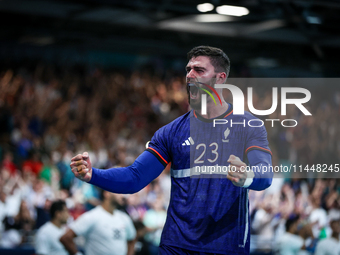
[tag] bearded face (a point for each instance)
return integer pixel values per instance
(196, 88)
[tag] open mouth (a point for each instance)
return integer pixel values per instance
(193, 90)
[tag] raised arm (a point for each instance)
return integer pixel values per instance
(124, 180)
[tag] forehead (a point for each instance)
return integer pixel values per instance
(203, 61)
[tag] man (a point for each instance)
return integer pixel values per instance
(107, 231)
(205, 215)
(331, 245)
(47, 238)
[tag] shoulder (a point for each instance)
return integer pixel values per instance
(171, 128)
(45, 231)
(45, 228)
(95, 211)
(181, 120)
(247, 116)
(91, 214)
(122, 215)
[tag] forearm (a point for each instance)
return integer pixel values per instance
(69, 244)
(261, 165)
(129, 179)
(131, 247)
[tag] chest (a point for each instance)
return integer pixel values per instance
(207, 145)
(54, 243)
(110, 228)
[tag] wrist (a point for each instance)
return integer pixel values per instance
(93, 176)
(249, 180)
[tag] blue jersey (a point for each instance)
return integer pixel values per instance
(207, 213)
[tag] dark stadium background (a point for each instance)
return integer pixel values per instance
(78, 49)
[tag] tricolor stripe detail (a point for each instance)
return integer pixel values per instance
(213, 90)
(191, 172)
(228, 114)
(158, 156)
(258, 148)
(206, 91)
(181, 173)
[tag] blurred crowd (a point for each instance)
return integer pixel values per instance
(49, 114)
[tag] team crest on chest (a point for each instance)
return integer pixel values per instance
(225, 136)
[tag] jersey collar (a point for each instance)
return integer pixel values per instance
(222, 116)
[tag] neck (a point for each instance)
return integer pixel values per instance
(57, 223)
(214, 111)
(108, 207)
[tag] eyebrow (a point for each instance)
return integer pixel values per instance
(195, 67)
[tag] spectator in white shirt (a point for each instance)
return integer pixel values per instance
(331, 245)
(47, 238)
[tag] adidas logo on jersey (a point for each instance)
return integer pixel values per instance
(188, 141)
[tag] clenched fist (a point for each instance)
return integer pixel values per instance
(81, 167)
(237, 173)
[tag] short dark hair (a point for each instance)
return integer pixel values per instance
(57, 206)
(218, 58)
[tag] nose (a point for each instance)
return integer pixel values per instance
(190, 74)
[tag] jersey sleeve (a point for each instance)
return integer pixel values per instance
(159, 145)
(41, 244)
(83, 225)
(257, 140)
(130, 228)
(259, 157)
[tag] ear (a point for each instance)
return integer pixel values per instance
(221, 78)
